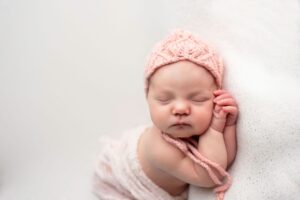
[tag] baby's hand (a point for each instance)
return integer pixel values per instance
(219, 119)
(226, 105)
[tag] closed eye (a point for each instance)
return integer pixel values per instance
(200, 99)
(163, 100)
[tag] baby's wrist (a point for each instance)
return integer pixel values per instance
(218, 124)
(214, 131)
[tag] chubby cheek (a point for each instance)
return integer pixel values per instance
(158, 116)
(203, 119)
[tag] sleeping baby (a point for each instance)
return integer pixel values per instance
(192, 138)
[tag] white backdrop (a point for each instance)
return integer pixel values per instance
(71, 71)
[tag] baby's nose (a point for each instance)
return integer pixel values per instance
(181, 108)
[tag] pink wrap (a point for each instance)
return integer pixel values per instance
(119, 175)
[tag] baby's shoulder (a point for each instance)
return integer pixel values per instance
(159, 151)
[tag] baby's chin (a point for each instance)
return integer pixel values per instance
(177, 133)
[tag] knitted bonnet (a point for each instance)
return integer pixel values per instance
(183, 45)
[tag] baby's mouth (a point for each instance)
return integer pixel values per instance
(181, 125)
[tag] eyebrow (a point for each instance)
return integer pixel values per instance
(165, 92)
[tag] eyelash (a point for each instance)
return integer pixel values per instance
(199, 100)
(193, 100)
(163, 100)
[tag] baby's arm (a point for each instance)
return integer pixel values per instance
(230, 142)
(212, 144)
(229, 105)
(172, 161)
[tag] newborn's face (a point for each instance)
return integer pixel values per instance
(180, 99)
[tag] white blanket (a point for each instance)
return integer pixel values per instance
(260, 43)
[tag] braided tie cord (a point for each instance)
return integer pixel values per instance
(188, 147)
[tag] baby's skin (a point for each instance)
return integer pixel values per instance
(184, 102)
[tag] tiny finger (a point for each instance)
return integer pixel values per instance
(230, 109)
(226, 102)
(222, 96)
(219, 92)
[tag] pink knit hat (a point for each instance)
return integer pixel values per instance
(183, 45)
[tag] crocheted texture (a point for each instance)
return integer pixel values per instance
(188, 147)
(183, 45)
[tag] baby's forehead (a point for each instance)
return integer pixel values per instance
(190, 89)
(180, 67)
(188, 92)
(181, 71)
